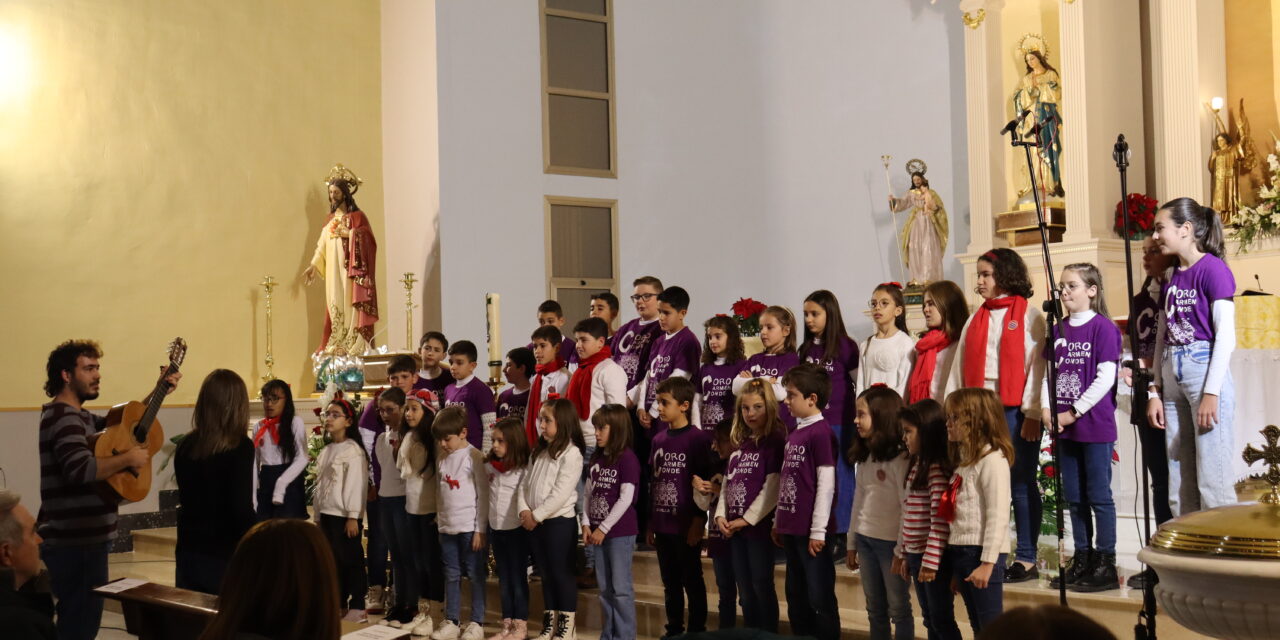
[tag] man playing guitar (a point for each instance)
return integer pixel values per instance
(76, 521)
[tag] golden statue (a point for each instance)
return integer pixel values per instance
(1039, 92)
(1231, 158)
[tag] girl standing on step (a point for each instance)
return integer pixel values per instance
(887, 354)
(417, 466)
(608, 518)
(342, 485)
(945, 313)
(778, 335)
(508, 460)
(1000, 349)
(280, 440)
(394, 518)
(745, 515)
(1087, 349)
(708, 493)
(977, 502)
(876, 523)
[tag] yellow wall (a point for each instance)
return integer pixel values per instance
(1253, 74)
(157, 159)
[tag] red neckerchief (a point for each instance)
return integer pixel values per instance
(535, 398)
(579, 392)
(920, 385)
(947, 503)
(499, 465)
(1012, 350)
(271, 425)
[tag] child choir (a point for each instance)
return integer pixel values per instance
(903, 456)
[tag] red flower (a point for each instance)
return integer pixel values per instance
(1115, 455)
(1049, 471)
(747, 307)
(316, 430)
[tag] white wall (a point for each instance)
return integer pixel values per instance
(749, 144)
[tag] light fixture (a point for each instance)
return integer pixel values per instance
(1216, 103)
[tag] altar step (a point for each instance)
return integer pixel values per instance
(152, 559)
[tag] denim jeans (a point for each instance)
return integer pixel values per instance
(727, 590)
(886, 592)
(617, 593)
(811, 589)
(456, 550)
(511, 555)
(753, 569)
(845, 483)
(937, 605)
(983, 605)
(376, 547)
(74, 572)
(588, 551)
(1086, 485)
(394, 522)
(1204, 457)
(680, 565)
(1025, 489)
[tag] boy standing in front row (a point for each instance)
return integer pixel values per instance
(463, 519)
(470, 393)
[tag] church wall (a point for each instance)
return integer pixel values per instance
(749, 143)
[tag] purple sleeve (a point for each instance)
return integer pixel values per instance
(484, 399)
(1109, 342)
(629, 469)
(690, 355)
(1221, 283)
(370, 422)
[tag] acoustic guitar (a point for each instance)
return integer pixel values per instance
(134, 424)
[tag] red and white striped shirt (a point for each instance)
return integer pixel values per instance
(923, 530)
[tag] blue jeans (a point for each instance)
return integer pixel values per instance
(845, 484)
(753, 569)
(937, 605)
(886, 592)
(456, 550)
(617, 594)
(74, 572)
(1086, 485)
(511, 555)
(983, 605)
(394, 522)
(588, 551)
(1203, 477)
(727, 590)
(811, 589)
(1028, 510)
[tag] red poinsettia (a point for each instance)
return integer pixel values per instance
(1049, 471)
(746, 312)
(1142, 215)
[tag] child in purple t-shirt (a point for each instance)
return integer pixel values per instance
(434, 375)
(676, 524)
(472, 394)
(674, 353)
(722, 360)
(518, 370)
(778, 335)
(805, 522)
(1086, 348)
(608, 517)
(1195, 337)
(707, 493)
(632, 341)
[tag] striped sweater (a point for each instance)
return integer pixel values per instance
(71, 510)
(922, 530)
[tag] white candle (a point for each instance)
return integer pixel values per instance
(491, 320)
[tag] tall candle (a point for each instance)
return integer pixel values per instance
(491, 322)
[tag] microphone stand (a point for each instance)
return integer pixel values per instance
(1145, 629)
(1053, 315)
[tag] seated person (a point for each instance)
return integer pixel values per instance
(26, 604)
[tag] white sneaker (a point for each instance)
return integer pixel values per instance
(448, 631)
(473, 631)
(356, 615)
(421, 626)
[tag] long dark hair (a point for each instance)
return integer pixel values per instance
(931, 433)
(895, 291)
(1009, 271)
(619, 421)
(1204, 221)
(352, 431)
(512, 430)
(885, 442)
(834, 333)
(1043, 62)
(949, 300)
(422, 431)
(924, 182)
(350, 202)
(568, 430)
(287, 446)
(733, 350)
(221, 415)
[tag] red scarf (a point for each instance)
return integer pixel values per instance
(535, 399)
(499, 465)
(947, 503)
(579, 392)
(920, 385)
(269, 425)
(1012, 350)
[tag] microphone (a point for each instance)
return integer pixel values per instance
(1121, 153)
(1259, 281)
(1015, 122)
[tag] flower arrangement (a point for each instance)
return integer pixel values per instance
(746, 312)
(1253, 223)
(1048, 492)
(317, 439)
(1142, 215)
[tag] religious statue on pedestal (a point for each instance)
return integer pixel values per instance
(1231, 158)
(924, 237)
(1039, 92)
(345, 256)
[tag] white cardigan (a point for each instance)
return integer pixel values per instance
(550, 487)
(504, 513)
(342, 480)
(982, 506)
(608, 386)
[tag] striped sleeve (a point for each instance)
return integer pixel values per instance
(939, 529)
(75, 460)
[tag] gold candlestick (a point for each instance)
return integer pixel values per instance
(268, 283)
(408, 281)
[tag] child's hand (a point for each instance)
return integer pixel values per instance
(738, 525)
(586, 536)
(899, 567)
(1126, 374)
(776, 537)
(527, 521)
(352, 528)
(645, 419)
(746, 374)
(981, 576)
(1031, 431)
(724, 527)
(815, 547)
(648, 537)
(1207, 414)
(851, 560)
(1045, 415)
(597, 538)
(1155, 413)
(926, 575)
(477, 541)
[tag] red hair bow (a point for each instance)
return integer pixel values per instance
(878, 384)
(891, 284)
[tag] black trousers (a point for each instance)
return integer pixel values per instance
(348, 554)
(1157, 456)
(680, 565)
(554, 542)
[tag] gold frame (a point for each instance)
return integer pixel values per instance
(548, 91)
(600, 284)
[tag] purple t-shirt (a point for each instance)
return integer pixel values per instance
(676, 456)
(806, 450)
(669, 353)
(1189, 296)
(767, 365)
(513, 403)
(1079, 351)
(1145, 310)
(745, 475)
(476, 397)
(606, 484)
(715, 384)
(631, 348)
(436, 385)
(839, 409)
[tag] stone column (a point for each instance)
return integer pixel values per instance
(983, 106)
(1188, 58)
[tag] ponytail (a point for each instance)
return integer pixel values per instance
(1204, 220)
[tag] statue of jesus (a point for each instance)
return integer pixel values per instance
(345, 257)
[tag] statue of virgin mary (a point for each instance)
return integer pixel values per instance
(345, 257)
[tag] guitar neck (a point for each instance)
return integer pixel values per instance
(153, 405)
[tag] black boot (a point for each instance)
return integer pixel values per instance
(1139, 580)
(1080, 564)
(1102, 577)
